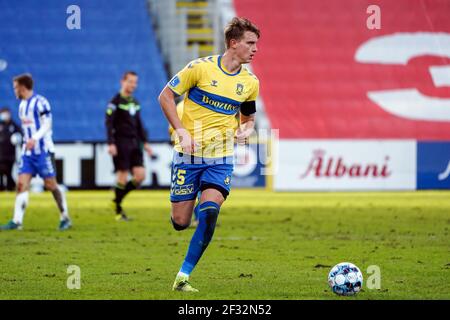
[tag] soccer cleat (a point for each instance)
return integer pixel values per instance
(11, 225)
(65, 224)
(120, 213)
(182, 284)
(122, 217)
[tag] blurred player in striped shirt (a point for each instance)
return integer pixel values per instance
(37, 152)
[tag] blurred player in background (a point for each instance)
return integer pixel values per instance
(37, 152)
(216, 88)
(10, 136)
(126, 139)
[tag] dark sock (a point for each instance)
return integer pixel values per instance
(208, 213)
(58, 198)
(121, 190)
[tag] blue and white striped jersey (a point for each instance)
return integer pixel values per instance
(33, 113)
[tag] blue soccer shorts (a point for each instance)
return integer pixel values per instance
(39, 164)
(193, 174)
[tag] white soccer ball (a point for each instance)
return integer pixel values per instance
(345, 279)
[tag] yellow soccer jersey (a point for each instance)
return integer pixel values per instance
(213, 97)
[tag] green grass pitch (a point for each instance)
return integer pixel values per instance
(267, 246)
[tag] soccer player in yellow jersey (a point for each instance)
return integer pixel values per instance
(216, 87)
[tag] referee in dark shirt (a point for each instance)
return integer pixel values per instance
(126, 140)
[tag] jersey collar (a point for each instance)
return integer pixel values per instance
(31, 97)
(219, 63)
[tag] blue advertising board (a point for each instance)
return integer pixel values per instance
(249, 164)
(433, 165)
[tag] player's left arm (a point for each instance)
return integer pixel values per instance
(45, 118)
(246, 127)
(247, 116)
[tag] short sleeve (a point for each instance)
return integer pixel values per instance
(255, 92)
(185, 79)
(43, 106)
(110, 108)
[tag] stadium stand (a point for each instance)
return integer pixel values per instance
(79, 70)
(315, 86)
(186, 30)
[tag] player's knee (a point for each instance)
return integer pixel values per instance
(179, 224)
(121, 177)
(20, 187)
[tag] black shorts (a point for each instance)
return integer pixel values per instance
(129, 155)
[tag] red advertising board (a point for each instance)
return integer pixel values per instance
(328, 70)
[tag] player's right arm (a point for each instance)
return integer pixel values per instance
(167, 102)
(179, 84)
(109, 123)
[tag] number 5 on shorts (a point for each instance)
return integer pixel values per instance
(180, 176)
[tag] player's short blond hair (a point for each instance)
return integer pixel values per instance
(236, 28)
